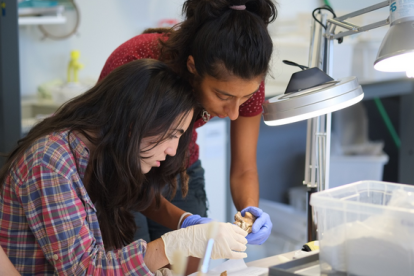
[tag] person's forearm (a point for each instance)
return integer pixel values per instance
(167, 215)
(245, 189)
(244, 180)
(155, 257)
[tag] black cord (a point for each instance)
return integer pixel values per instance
(327, 8)
(323, 8)
(288, 62)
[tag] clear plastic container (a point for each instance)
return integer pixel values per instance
(366, 229)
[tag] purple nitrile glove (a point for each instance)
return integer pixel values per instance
(261, 227)
(195, 219)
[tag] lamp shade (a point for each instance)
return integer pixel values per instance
(396, 53)
(312, 102)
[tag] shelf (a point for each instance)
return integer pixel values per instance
(42, 20)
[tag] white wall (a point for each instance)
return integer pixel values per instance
(213, 142)
(353, 4)
(104, 26)
(290, 8)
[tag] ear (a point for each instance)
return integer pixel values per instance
(191, 65)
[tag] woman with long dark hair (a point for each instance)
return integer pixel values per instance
(223, 48)
(68, 189)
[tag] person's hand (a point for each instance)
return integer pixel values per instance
(261, 227)
(195, 219)
(229, 243)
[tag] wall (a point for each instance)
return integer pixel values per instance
(213, 141)
(104, 26)
(281, 159)
(352, 5)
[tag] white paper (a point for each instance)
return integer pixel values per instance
(236, 268)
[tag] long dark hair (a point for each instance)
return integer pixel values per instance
(222, 41)
(143, 98)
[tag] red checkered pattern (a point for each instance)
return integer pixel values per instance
(48, 224)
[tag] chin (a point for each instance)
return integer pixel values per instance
(146, 170)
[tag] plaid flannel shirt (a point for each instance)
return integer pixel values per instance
(48, 224)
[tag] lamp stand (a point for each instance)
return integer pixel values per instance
(318, 139)
(318, 142)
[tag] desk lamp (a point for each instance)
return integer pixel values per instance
(312, 96)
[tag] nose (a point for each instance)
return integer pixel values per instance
(232, 110)
(172, 146)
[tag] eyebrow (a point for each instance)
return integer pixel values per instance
(230, 95)
(179, 130)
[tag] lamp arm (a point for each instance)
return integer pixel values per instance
(364, 10)
(354, 29)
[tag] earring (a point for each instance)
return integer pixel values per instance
(205, 116)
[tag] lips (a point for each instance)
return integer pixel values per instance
(218, 115)
(158, 162)
(221, 116)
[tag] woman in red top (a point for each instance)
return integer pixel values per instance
(223, 48)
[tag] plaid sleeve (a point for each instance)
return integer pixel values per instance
(66, 228)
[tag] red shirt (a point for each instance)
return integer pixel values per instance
(146, 46)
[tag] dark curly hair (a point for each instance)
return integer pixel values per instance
(222, 41)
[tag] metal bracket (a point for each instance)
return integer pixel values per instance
(353, 29)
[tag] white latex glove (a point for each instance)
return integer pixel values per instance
(229, 243)
(163, 272)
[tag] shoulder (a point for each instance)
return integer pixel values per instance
(147, 42)
(51, 152)
(253, 106)
(58, 155)
(138, 47)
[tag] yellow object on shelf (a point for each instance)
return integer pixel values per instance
(74, 66)
(311, 246)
